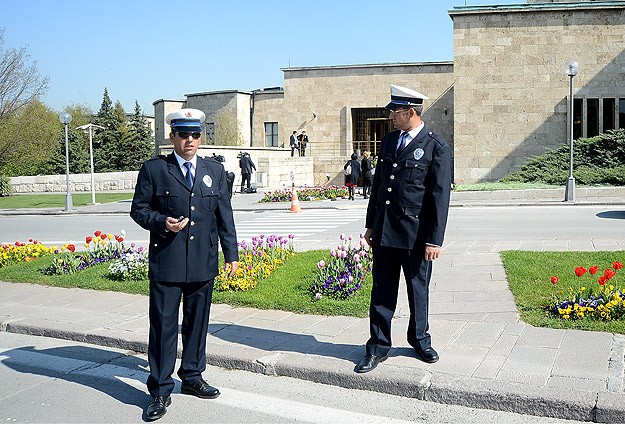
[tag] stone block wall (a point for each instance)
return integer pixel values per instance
(511, 89)
(106, 181)
(332, 92)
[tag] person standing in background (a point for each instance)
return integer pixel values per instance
(352, 177)
(367, 174)
(294, 144)
(303, 142)
(247, 167)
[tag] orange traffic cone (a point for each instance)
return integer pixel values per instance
(294, 201)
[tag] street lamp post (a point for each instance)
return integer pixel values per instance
(572, 68)
(90, 128)
(66, 118)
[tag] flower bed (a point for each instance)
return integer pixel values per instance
(101, 247)
(600, 300)
(306, 194)
(344, 273)
(256, 262)
(18, 252)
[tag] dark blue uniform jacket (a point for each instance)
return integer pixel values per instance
(410, 194)
(192, 254)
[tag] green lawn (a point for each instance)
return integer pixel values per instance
(57, 200)
(529, 275)
(285, 289)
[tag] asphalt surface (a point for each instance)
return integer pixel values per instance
(489, 357)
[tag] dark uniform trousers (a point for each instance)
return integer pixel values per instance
(164, 306)
(408, 209)
(387, 265)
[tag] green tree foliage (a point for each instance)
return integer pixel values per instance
(227, 131)
(104, 141)
(140, 139)
(27, 139)
(597, 160)
(78, 145)
(121, 146)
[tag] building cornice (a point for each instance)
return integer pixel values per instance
(365, 66)
(533, 7)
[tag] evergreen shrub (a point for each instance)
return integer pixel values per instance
(598, 160)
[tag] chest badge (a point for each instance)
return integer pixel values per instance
(207, 180)
(418, 153)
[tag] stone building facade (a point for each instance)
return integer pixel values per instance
(503, 98)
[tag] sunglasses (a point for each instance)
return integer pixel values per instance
(186, 134)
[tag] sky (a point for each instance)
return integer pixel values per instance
(143, 50)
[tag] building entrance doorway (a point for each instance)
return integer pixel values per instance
(370, 125)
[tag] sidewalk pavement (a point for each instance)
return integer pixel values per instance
(489, 358)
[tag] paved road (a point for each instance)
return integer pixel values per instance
(469, 229)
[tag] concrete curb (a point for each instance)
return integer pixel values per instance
(519, 398)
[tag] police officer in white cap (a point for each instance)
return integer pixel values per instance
(405, 224)
(183, 201)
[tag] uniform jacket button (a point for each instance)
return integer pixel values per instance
(192, 238)
(390, 189)
(192, 223)
(192, 208)
(388, 202)
(392, 177)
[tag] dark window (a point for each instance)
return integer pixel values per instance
(621, 113)
(578, 123)
(271, 134)
(210, 132)
(592, 117)
(609, 111)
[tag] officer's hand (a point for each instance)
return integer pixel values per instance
(176, 224)
(432, 252)
(234, 265)
(368, 235)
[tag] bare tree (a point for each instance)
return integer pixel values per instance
(20, 82)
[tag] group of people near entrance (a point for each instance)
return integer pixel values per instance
(359, 174)
(298, 143)
(182, 199)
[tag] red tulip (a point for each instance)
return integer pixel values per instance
(593, 269)
(102, 236)
(617, 265)
(88, 239)
(71, 248)
(580, 270)
(554, 280)
(602, 280)
(97, 233)
(609, 273)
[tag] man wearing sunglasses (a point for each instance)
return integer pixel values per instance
(183, 201)
(405, 225)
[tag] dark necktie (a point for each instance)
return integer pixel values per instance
(189, 175)
(401, 143)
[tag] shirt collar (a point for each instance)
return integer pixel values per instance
(413, 132)
(181, 161)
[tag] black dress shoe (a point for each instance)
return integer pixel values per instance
(199, 388)
(157, 408)
(369, 362)
(428, 355)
